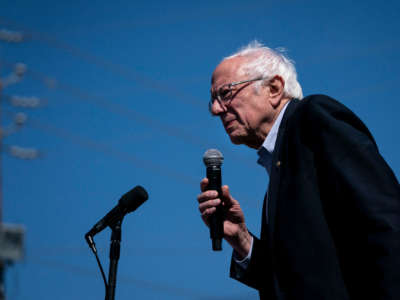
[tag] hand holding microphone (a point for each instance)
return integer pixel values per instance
(211, 200)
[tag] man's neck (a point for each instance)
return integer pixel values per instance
(260, 138)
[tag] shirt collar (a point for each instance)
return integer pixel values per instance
(267, 148)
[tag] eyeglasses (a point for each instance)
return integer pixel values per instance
(225, 93)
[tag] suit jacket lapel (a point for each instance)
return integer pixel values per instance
(277, 163)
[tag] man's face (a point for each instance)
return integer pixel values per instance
(245, 116)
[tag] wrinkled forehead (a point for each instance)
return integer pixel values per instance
(228, 71)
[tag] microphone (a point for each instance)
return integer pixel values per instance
(213, 160)
(128, 203)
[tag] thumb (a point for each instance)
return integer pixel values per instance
(227, 197)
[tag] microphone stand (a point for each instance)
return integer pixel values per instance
(114, 257)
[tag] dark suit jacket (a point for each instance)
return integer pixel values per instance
(333, 210)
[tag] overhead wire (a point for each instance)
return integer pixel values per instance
(113, 107)
(123, 111)
(187, 250)
(192, 16)
(124, 279)
(148, 165)
(129, 113)
(100, 147)
(177, 291)
(123, 71)
(114, 68)
(126, 73)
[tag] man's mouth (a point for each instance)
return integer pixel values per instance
(229, 123)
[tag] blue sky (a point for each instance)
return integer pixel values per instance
(129, 107)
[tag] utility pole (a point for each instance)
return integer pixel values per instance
(2, 288)
(11, 236)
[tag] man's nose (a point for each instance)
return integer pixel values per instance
(217, 108)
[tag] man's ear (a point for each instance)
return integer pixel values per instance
(276, 86)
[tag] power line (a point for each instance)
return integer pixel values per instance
(114, 68)
(124, 279)
(130, 114)
(124, 156)
(123, 111)
(187, 250)
(146, 284)
(113, 107)
(124, 72)
(126, 112)
(198, 15)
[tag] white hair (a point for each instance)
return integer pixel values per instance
(268, 63)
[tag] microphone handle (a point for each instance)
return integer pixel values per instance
(217, 219)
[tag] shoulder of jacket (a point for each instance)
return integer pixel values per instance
(316, 110)
(319, 104)
(320, 101)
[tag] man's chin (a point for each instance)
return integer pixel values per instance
(244, 140)
(237, 140)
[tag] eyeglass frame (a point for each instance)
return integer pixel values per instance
(230, 85)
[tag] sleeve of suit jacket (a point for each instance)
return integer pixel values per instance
(254, 274)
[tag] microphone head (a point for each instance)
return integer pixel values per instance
(133, 199)
(212, 157)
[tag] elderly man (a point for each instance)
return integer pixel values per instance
(331, 215)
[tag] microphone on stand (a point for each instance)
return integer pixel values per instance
(113, 219)
(213, 160)
(128, 203)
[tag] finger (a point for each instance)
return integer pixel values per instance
(207, 195)
(203, 184)
(206, 219)
(209, 204)
(207, 213)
